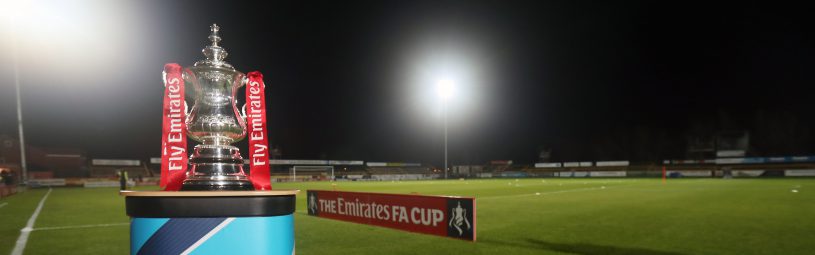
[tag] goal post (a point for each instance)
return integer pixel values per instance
(310, 170)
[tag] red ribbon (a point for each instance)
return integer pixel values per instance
(258, 140)
(174, 131)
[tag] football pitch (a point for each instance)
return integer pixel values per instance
(514, 216)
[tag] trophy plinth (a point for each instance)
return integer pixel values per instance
(245, 222)
(214, 122)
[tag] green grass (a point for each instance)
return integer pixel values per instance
(570, 216)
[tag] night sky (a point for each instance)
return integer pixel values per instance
(592, 80)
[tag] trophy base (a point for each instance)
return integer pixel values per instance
(216, 185)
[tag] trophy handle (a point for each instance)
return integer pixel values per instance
(244, 81)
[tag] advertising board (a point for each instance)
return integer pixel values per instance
(612, 163)
(690, 173)
(574, 174)
(748, 173)
(453, 217)
(799, 172)
(115, 162)
(35, 183)
(547, 165)
(571, 164)
(607, 174)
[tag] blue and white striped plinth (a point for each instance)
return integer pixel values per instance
(211, 222)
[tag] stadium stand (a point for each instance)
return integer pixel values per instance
(399, 170)
(112, 172)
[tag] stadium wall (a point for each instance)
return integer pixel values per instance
(7, 190)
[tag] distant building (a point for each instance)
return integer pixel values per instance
(55, 162)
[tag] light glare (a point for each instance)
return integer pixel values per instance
(445, 88)
(73, 39)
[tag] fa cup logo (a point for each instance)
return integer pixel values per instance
(458, 219)
(312, 203)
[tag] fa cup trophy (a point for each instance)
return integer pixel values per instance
(215, 122)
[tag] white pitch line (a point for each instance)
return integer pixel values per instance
(207, 236)
(82, 226)
(23, 239)
(3, 204)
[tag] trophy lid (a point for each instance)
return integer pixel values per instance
(215, 53)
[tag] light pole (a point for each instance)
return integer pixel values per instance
(445, 138)
(445, 88)
(16, 71)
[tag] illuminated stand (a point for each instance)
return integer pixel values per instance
(209, 205)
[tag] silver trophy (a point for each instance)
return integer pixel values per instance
(214, 122)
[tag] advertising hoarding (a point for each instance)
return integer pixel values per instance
(453, 217)
(547, 165)
(612, 163)
(115, 162)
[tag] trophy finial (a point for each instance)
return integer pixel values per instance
(213, 37)
(214, 52)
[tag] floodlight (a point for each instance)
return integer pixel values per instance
(445, 88)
